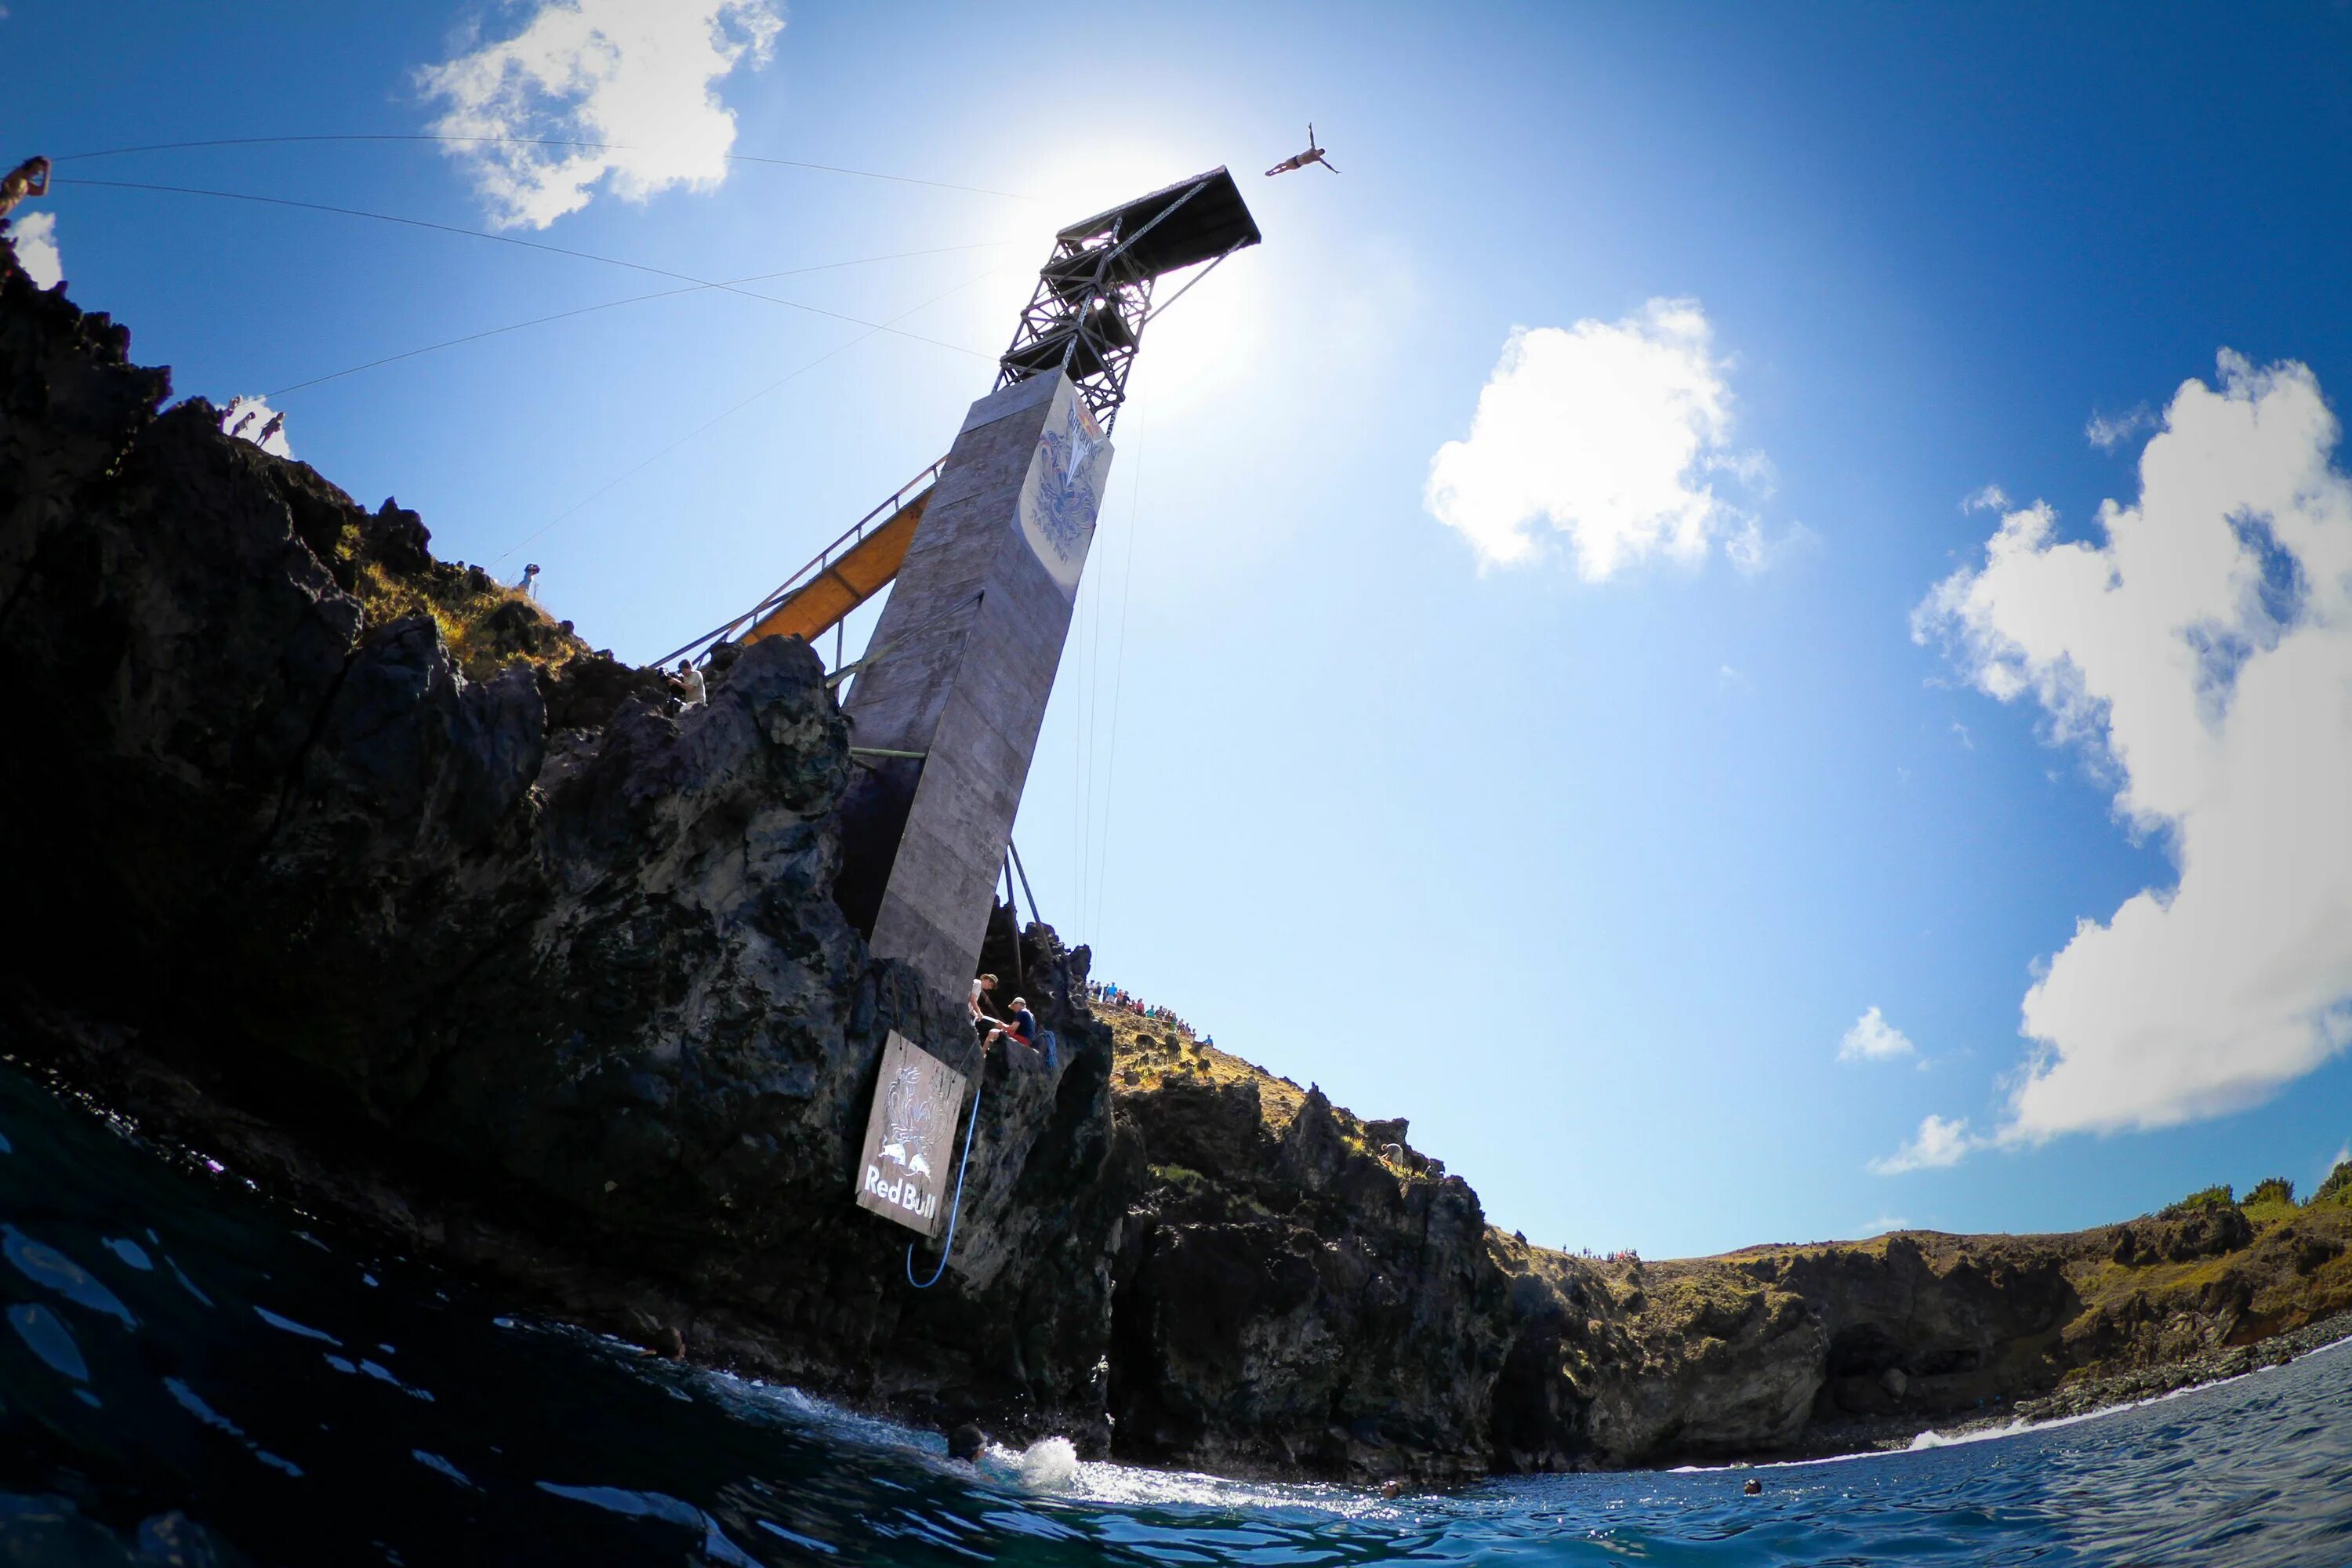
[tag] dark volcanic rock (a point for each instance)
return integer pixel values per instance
(1293, 1303)
(561, 959)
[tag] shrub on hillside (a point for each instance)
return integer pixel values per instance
(2271, 1190)
(2205, 1202)
(2337, 1187)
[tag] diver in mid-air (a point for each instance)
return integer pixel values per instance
(1313, 154)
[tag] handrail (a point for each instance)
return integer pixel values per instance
(816, 565)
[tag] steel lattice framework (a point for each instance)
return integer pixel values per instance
(1094, 293)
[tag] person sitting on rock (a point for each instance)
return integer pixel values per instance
(1020, 1028)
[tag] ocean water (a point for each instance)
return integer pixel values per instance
(191, 1375)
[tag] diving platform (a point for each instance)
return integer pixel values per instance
(986, 548)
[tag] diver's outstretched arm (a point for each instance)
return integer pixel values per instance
(1327, 163)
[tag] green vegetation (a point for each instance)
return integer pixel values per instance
(2271, 1200)
(2271, 1190)
(487, 625)
(2336, 1189)
(2207, 1201)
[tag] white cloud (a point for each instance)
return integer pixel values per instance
(2107, 433)
(2202, 653)
(637, 75)
(35, 236)
(1873, 1039)
(1606, 432)
(252, 419)
(1992, 497)
(1885, 1224)
(1938, 1144)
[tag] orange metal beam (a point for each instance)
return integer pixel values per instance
(859, 572)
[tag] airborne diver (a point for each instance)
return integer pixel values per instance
(1313, 154)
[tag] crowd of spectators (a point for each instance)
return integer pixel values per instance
(1103, 993)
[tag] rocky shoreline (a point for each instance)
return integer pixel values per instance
(344, 866)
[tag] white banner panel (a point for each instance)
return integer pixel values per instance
(910, 1137)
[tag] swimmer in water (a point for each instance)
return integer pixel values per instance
(1753, 1488)
(964, 1444)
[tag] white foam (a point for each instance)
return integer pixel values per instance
(1049, 1465)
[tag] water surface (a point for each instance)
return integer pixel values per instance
(191, 1375)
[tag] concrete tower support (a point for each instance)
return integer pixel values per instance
(960, 670)
(947, 704)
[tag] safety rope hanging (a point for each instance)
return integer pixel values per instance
(955, 1208)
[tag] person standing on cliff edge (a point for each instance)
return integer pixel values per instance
(981, 1022)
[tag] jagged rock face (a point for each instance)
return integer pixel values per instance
(2207, 1233)
(1292, 1304)
(1909, 1332)
(536, 932)
(1665, 1362)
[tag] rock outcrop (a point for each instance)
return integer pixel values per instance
(1290, 1300)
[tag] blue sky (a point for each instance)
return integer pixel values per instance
(1588, 873)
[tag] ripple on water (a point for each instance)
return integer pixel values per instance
(48, 1268)
(48, 1338)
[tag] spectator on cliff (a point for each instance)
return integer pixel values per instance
(529, 586)
(982, 1021)
(693, 692)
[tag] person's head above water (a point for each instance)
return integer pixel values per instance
(1753, 1488)
(964, 1443)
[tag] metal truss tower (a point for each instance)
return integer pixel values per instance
(1093, 298)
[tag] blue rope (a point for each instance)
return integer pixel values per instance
(955, 1209)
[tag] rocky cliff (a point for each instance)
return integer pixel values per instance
(362, 848)
(354, 869)
(1301, 1289)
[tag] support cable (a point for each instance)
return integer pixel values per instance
(1017, 865)
(611, 304)
(529, 141)
(801, 370)
(1196, 276)
(1013, 913)
(1118, 680)
(525, 244)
